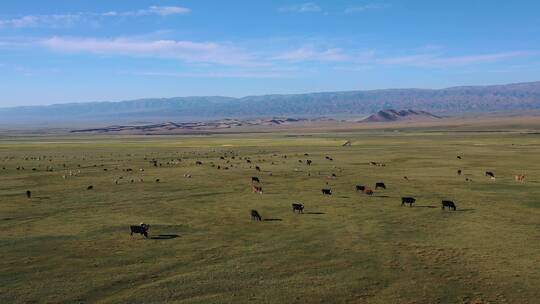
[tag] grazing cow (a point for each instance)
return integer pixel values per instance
(308, 162)
(255, 179)
(326, 191)
(28, 194)
(157, 180)
(248, 161)
(198, 163)
(458, 157)
(141, 229)
(520, 178)
(408, 200)
(405, 178)
(257, 168)
(458, 172)
(255, 215)
(360, 188)
(90, 187)
(380, 185)
(257, 189)
(490, 174)
(298, 207)
(368, 191)
(448, 204)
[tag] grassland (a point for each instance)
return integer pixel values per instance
(68, 244)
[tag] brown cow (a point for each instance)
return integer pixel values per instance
(520, 178)
(257, 189)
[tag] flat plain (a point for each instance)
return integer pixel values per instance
(67, 244)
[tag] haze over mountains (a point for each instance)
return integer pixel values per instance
(455, 100)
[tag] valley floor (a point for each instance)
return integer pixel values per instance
(67, 244)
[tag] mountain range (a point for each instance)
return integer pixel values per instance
(454, 100)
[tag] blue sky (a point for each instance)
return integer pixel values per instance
(75, 51)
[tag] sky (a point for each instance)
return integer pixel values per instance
(60, 51)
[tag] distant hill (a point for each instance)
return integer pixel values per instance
(477, 99)
(214, 125)
(393, 115)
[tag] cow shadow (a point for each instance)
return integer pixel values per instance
(272, 220)
(465, 210)
(314, 213)
(164, 236)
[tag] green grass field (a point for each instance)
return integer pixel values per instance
(68, 244)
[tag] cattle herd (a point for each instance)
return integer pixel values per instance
(256, 184)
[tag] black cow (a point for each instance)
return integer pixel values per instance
(141, 229)
(360, 188)
(28, 194)
(255, 215)
(458, 172)
(490, 174)
(408, 200)
(255, 179)
(380, 185)
(90, 187)
(257, 168)
(298, 207)
(448, 204)
(458, 157)
(326, 191)
(198, 163)
(308, 162)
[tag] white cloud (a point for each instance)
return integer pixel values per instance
(365, 7)
(234, 74)
(168, 10)
(152, 10)
(307, 54)
(41, 21)
(189, 51)
(438, 60)
(63, 20)
(308, 7)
